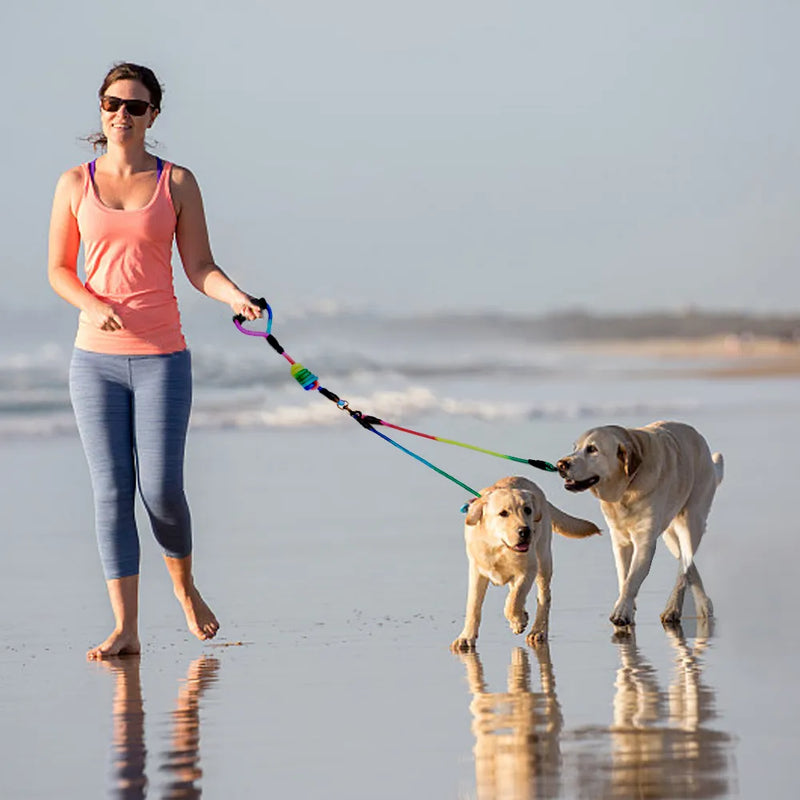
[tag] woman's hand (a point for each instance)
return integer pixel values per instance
(246, 306)
(102, 316)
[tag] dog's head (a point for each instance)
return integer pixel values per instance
(508, 515)
(605, 460)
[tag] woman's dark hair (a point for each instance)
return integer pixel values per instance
(126, 71)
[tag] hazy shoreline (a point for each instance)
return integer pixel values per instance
(732, 355)
(578, 324)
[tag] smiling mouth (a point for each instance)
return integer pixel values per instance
(581, 486)
(518, 548)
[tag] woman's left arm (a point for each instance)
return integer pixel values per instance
(191, 235)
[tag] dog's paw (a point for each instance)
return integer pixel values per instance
(671, 616)
(536, 637)
(518, 624)
(621, 622)
(622, 616)
(464, 644)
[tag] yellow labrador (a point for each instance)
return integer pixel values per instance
(651, 481)
(508, 533)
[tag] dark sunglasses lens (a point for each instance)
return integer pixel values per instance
(136, 108)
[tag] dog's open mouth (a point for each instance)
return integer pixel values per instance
(518, 548)
(581, 486)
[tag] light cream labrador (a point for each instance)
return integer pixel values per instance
(651, 481)
(508, 533)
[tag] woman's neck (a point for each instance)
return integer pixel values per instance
(127, 161)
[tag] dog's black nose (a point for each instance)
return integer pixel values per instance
(562, 465)
(524, 533)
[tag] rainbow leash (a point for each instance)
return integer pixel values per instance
(309, 381)
(533, 462)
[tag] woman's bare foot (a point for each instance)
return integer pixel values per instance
(124, 640)
(120, 643)
(199, 617)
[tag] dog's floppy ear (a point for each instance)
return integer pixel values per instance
(475, 511)
(630, 457)
(537, 500)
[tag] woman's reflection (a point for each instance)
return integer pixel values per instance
(517, 752)
(181, 760)
(128, 779)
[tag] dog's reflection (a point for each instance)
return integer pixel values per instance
(180, 762)
(661, 742)
(517, 751)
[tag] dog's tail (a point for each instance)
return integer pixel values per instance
(569, 526)
(719, 466)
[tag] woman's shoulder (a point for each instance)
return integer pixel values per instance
(73, 176)
(70, 183)
(182, 176)
(183, 187)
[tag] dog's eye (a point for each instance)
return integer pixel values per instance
(527, 511)
(591, 448)
(503, 513)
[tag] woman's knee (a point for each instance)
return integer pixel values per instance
(165, 501)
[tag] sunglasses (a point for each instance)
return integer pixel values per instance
(136, 108)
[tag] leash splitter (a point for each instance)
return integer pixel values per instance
(309, 381)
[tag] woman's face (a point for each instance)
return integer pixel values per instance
(120, 126)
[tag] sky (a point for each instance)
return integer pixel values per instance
(438, 155)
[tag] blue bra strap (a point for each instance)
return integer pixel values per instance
(91, 169)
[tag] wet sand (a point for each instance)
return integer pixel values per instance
(337, 569)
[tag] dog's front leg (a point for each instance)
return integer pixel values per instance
(544, 574)
(515, 611)
(622, 547)
(475, 595)
(541, 623)
(644, 546)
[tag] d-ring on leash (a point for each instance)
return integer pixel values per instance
(309, 381)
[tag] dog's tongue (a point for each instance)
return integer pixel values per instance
(521, 548)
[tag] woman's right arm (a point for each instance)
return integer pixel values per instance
(62, 261)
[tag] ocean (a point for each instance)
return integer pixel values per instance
(395, 368)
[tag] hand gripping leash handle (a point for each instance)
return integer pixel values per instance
(239, 319)
(307, 379)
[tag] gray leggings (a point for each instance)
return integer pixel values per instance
(133, 414)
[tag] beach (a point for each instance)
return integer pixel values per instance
(336, 565)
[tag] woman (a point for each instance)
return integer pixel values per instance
(130, 374)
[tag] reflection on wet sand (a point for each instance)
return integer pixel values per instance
(661, 744)
(128, 752)
(181, 761)
(516, 732)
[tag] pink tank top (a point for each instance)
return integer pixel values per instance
(128, 258)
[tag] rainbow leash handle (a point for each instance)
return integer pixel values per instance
(309, 381)
(303, 376)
